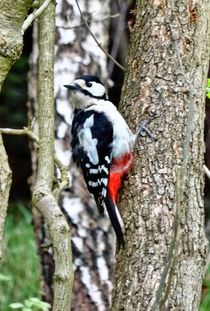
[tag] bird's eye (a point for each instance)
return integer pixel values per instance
(89, 84)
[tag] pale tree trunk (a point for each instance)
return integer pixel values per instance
(162, 206)
(11, 42)
(93, 241)
(77, 53)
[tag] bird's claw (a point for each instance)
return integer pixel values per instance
(143, 129)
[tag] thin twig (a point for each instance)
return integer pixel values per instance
(99, 44)
(118, 36)
(28, 21)
(24, 131)
(63, 168)
(95, 20)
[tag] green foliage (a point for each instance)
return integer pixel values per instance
(19, 278)
(208, 88)
(205, 306)
(31, 304)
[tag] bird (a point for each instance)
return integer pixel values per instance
(102, 145)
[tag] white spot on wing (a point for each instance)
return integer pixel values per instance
(108, 160)
(89, 144)
(104, 192)
(89, 122)
(93, 171)
(103, 168)
(92, 183)
(103, 180)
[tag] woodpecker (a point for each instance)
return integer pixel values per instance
(102, 145)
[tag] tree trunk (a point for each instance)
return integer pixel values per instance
(92, 237)
(11, 43)
(162, 265)
(5, 183)
(11, 37)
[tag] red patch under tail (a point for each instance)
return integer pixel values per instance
(119, 168)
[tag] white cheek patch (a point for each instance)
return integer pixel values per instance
(96, 89)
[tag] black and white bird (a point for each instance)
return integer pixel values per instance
(102, 145)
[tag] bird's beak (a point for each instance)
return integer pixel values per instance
(73, 87)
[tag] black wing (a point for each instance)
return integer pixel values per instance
(92, 136)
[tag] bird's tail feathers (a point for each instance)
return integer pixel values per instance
(116, 220)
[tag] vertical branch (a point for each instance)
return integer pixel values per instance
(43, 198)
(45, 172)
(5, 183)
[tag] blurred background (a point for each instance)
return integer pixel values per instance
(19, 242)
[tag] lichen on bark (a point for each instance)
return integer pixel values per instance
(12, 16)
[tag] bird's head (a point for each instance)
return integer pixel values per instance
(86, 90)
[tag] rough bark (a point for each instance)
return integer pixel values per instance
(162, 205)
(43, 197)
(11, 41)
(5, 183)
(12, 16)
